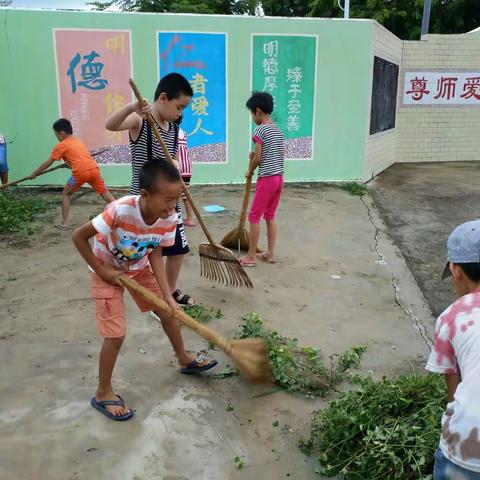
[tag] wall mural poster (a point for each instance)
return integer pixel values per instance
(284, 66)
(442, 88)
(93, 68)
(201, 58)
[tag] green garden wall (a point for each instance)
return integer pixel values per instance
(29, 101)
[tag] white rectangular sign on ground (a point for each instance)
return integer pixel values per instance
(441, 88)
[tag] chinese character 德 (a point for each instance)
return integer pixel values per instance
(294, 90)
(446, 87)
(90, 71)
(114, 102)
(294, 74)
(199, 105)
(198, 82)
(418, 88)
(270, 66)
(471, 88)
(116, 44)
(293, 123)
(271, 48)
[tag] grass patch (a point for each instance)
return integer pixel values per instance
(204, 314)
(300, 369)
(386, 429)
(20, 211)
(354, 188)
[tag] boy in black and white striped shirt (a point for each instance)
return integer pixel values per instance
(172, 96)
(269, 157)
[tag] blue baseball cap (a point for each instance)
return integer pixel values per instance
(463, 245)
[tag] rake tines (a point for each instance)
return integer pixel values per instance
(218, 264)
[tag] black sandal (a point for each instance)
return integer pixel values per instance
(183, 299)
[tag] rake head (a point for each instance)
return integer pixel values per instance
(220, 265)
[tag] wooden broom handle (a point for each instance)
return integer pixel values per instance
(246, 197)
(63, 165)
(164, 308)
(185, 190)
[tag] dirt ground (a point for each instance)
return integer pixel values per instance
(182, 429)
(421, 205)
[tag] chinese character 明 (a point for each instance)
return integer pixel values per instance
(90, 71)
(198, 82)
(446, 87)
(114, 102)
(116, 44)
(294, 74)
(293, 123)
(270, 84)
(199, 105)
(198, 127)
(471, 88)
(270, 66)
(271, 48)
(418, 88)
(294, 90)
(294, 106)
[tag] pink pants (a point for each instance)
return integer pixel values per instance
(267, 197)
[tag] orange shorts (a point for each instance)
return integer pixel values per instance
(109, 306)
(92, 177)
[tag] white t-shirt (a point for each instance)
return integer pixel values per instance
(457, 350)
(124, 239)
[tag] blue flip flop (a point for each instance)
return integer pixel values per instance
(102, 407)
(193, 367)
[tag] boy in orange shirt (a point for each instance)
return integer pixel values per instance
(84, 167)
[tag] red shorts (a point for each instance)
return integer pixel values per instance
(267, 197)
(92, 177)
(109, 306)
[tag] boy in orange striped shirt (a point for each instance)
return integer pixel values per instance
(128, 238)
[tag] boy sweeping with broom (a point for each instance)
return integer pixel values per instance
(129, 237)
(172, 96)
(84, 167)
(269, 157)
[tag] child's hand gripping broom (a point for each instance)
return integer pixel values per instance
(48, 170)
(250, 354)
(217, 263)
(239, 237)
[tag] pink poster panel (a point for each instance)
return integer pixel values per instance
(93, 68)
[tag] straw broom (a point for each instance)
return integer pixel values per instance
(217, 263)
(250, 354)
(48, 170)
(239, 237)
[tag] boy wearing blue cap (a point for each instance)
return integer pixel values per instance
(456, 354)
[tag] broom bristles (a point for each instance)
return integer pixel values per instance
(251, 357)
(218, 264)
(237, 239)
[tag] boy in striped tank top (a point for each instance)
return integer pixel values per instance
(186, 171)
(172, 96)
(269, 157)
(129, 238)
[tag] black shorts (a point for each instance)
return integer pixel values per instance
(180, 247)
(186, 180)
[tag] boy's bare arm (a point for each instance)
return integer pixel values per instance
(42, 167)
(127, 118)
(255, 159)
(81, 238)
(158, 267)
(453, 380)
